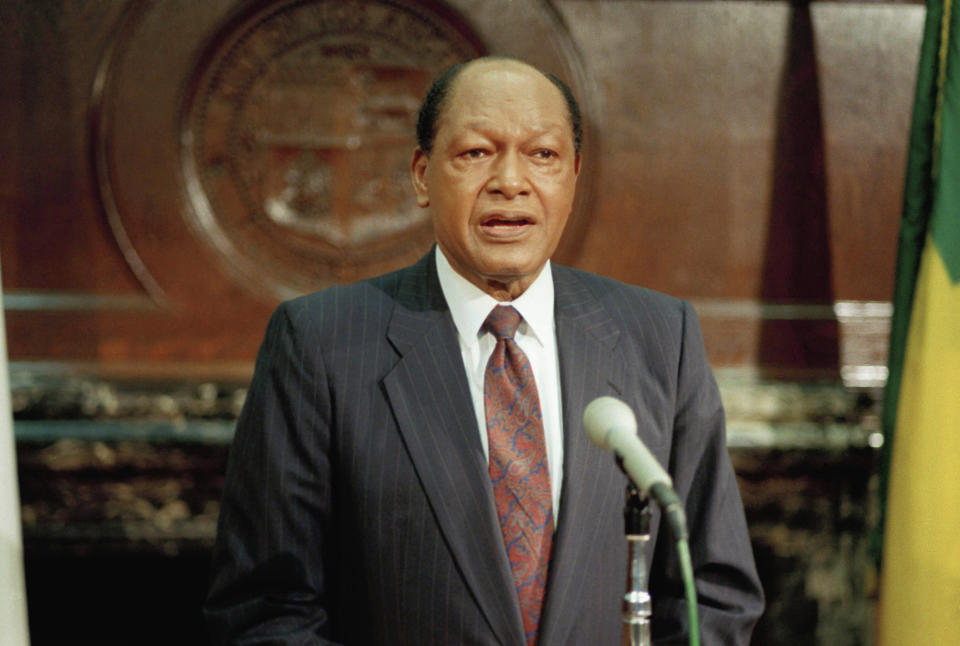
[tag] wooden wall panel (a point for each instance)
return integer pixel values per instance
(868, 55)
(752, 160)
(692, 94)
(53, 236)
(748, 156)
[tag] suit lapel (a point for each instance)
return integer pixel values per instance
(430, 397)
(589, 367)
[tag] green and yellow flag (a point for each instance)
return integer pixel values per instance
(920, 571)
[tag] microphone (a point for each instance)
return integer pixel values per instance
(611, 425)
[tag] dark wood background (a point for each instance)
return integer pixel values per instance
(744, 154)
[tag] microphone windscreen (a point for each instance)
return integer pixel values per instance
(604, 415)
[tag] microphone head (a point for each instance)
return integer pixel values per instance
(603, 416)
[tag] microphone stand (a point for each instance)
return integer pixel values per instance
(636, 602)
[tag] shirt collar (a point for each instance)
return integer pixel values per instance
(469, 305)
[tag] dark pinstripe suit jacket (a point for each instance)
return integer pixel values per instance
(358, 510)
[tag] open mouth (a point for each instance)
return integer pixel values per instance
(504, 225)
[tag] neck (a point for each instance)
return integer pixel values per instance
(501, 288)
(505, 291)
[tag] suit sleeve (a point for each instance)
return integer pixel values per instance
(269, 584)
(730, 598)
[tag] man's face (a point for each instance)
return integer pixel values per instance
(501, 176)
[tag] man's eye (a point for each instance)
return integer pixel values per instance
(474, 153)
(545, 153)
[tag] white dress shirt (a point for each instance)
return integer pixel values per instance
(536, 336)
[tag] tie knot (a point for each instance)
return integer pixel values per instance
(502, 322)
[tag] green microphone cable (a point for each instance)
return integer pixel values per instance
(677, 520)
(690, 590)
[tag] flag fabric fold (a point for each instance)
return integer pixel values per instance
(920, 479)
(13, 603)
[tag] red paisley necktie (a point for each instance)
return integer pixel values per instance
(518, 465)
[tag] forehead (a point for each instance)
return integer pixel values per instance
(507, 96)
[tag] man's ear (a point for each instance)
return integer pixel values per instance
(418, 175)
(576, 165)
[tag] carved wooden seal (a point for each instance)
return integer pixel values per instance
(260, 150)
(298, 133)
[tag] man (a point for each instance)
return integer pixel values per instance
(407, 472)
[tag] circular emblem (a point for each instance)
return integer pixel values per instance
(249, 151)
(297, 132)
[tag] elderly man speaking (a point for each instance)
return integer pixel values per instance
(410, 465)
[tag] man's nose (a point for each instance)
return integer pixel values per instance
(509, 176)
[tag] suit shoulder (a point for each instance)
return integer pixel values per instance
(614, 294)
(339, 309)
